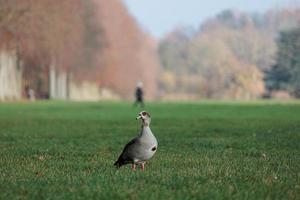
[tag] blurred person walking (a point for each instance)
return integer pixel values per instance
(139, 94)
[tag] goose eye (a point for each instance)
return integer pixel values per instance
(144, 113)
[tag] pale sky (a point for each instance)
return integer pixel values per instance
(161, 16)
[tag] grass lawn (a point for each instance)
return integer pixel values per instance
(60, 150)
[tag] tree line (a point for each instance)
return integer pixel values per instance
(233, 55)
(46, 34)
(78, 40)
(48, 46)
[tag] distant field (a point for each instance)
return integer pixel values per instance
(60, 150)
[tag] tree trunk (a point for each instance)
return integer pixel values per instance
(52, 84)
(58, 84)
(10, 76)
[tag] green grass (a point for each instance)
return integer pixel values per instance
(60, 150)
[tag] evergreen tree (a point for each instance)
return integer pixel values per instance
(285, 74)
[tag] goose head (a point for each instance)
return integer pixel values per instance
(144, 116)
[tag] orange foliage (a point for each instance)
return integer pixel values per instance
(94, 40)
(129, 55)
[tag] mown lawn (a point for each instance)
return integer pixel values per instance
(61, 150)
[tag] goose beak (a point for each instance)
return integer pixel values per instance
(138, 117)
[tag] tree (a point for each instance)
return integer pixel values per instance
(129, 54)
(51, 36)
(285, 74)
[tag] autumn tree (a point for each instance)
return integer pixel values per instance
(129, 54)
(51, 35)
(226, 57)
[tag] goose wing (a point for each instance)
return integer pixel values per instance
(127, 155)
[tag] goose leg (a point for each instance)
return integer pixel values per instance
(143, 166)
(133, 167)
